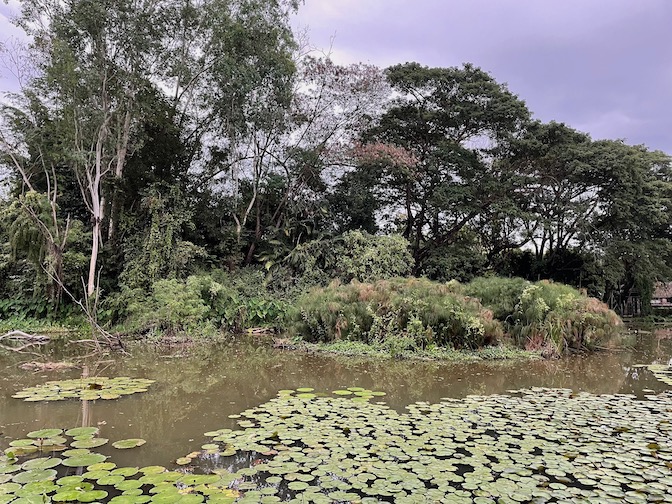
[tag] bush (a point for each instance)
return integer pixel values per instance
(201, 301)
(552, 317)
(354, 255)
(406, 312)
(172, 305)
(241, 300)
(499, 294)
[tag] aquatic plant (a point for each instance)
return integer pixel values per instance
(531, 446)
(424, 312)
(304, 446)
(91, 389)
(547, 316)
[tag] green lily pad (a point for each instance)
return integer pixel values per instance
(84, 460)
(34, 475)
(45, 433)
(89, 443)
(126, 444)
(82, 431)
(87, 389)
(41, 463)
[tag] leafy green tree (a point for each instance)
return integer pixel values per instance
(560, 186)
(452, 123)
(114, 74)
(633, 230)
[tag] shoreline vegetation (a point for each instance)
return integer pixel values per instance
(187, 171)
(489, 318)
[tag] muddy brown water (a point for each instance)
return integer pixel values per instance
(196, 391)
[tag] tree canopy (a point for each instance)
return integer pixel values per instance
(153, 139)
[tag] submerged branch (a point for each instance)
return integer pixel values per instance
(30, 340)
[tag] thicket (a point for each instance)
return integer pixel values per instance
(199, 305)
(411, 314)
(547, 316)
(401, 313)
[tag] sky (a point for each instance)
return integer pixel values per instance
(601, 66)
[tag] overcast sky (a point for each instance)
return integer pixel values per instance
(600, 66)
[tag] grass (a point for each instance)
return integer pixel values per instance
(360, 349)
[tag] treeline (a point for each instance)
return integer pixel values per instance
(154, 140)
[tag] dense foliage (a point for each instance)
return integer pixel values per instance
(551, 317)
(407, 314)
(157, 152)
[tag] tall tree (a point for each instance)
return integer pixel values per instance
(559, 186)
(633, 227)
(105, 65)
(454, 122)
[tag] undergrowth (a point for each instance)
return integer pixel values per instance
(403, 314)
(550, 317)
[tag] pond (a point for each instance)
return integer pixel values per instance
(201, 390)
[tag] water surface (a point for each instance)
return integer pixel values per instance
(197, 389)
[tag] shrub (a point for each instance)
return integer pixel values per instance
(241, 300)
(172, 305)
(399, 310)
(223, 300)
(499, 294)
(551, 317)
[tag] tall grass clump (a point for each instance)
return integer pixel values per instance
(551, 317)
(403, 313)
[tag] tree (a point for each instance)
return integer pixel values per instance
(559, 186)
(633, 229)
(105, 67)
(282, 170)
(453, 123)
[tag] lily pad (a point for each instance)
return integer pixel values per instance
(45, 433)
(126, 444)
(89, 443)
(82, 431)
(84, 460)
(87, 389)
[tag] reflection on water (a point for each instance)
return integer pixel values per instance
(195, 393)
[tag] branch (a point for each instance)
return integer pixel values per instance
(32, 340)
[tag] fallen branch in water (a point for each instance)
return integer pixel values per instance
(31, 339)
(46, 366)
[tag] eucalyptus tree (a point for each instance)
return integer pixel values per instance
(104, 67)
(94, 59)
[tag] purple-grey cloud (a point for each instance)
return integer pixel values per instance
(601, 66)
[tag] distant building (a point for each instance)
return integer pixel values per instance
(662, 296)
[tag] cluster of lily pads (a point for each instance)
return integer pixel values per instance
(51, 465)
(91, 389)
(662, 372)
(537, 445)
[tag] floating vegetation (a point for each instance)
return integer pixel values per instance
(662, 372)
(125, 444)
(531, 446)
(81, 475)
(91, 389)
